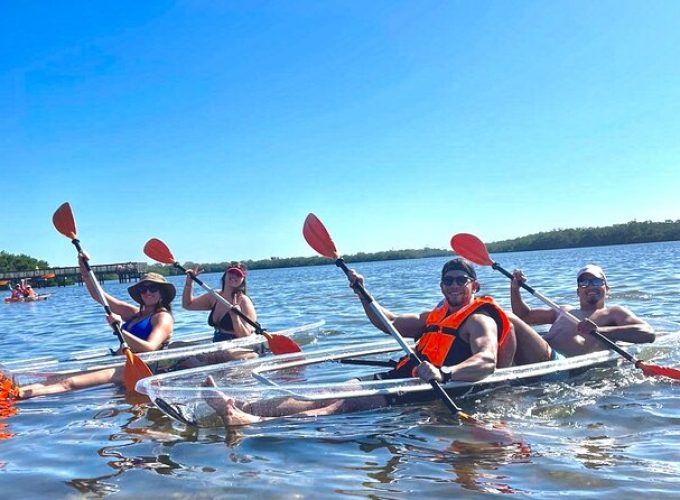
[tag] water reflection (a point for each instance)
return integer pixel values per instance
(155, 427)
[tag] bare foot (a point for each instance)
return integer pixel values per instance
(226, 408)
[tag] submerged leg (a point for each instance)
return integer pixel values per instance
(531, 347)
(227, 410)
(72, 383)
(231, 414)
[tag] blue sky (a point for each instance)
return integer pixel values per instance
(217, 126)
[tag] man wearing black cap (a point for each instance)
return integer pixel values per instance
(568, 339)
(463, 338)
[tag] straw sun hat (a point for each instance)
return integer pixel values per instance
(167, 289)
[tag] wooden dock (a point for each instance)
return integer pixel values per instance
(125, 272)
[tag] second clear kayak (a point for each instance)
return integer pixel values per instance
(197, 347)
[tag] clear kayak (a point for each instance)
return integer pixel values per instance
(198, 348)
(21, 300)
(319, 377)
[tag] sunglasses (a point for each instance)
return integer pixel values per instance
(234, 274)
(584, 282)
(458, 280)
(149, 288)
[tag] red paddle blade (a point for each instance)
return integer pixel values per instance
(64, 221)
(134, 370)
(159, 251)
(280, 344)
(472, 248)
(318, 238)
(655, 370)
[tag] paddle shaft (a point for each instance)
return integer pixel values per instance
(397, 336)
(611, 345)
(215, 293)
(100, 295)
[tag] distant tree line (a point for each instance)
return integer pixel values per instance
(630, 232)
(22, 262)
(277, 262)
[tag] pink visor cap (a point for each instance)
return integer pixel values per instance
(237, 270)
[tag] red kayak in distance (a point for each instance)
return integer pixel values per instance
(35, 298)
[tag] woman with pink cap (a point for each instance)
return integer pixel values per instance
(227, 323)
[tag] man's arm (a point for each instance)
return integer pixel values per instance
(482, 334)
(628, 327)
(522, 310)
(408, 325)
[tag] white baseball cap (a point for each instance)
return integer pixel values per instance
(592, 269)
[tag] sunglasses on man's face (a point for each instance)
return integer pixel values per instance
(585, 282)
(149, 288)
(458, 280)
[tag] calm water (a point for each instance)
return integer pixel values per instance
(613, 433)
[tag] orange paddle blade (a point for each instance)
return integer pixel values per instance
(655, 370)
(134, 370)
(318, 238)
(472, 248)
(280, 344)
(159, 251)
(64, 221)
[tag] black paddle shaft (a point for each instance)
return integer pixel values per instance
(254, 324)
(116, 326)
(453, 408)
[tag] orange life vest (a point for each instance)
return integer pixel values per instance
(440, 343)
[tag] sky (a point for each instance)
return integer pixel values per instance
(217, 126)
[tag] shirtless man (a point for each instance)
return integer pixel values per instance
(566, 338)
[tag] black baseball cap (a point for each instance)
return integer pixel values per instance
(459, 264)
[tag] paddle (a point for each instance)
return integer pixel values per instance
(135, 369)
(473, 249)
(318, 238)
(278, 344)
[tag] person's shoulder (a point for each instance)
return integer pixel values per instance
(480, 319)
(162, 315)
(618, 311)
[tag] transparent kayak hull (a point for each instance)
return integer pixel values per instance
(319, 376)
(49, 369)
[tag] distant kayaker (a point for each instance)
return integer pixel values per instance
(225, 320)
(29, 292)
(568, 339)
(146, 326)
(463, 338)
(17, 293)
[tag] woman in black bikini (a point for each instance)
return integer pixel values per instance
(227, 323)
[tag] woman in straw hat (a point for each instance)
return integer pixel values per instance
(146, 326)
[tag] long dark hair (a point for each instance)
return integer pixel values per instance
(242, 286)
